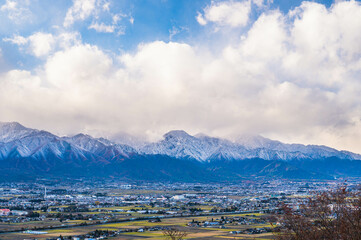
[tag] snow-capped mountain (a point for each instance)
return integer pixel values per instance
(100, 146)
(17, 141)
(180, 144)
(13, 130)
(25, 150)
(25, 142)
(127, 139)
(252, 142)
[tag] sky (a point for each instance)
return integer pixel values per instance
(287, 70)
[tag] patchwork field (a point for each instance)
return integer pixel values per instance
(178, 223)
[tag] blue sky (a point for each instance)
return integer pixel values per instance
(288, 70)
(153, 20)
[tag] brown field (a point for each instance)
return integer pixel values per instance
(180, 223)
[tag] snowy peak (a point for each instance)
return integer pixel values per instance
(177, 144)
(99, 146)
(105, 141)
(17, 140)
(292, 151)
(84, 141)
(25, 150)
(11, 126)
(176, 134)
(180, 144)
(256, 141)
(12, 131)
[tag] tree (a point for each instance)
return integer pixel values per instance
(328, 215)
(174, 234)
(32, 214)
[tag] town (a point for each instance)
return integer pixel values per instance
(84, 209)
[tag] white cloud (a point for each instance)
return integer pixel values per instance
(80, 10)
(101, 27)
(294, 77)
(9, 6)
(116, 18)
(266, 39)
(262, 3)
(259, 3)
(79, 65)
(200, 19)
(17, 10)
(18, 40)
(227, 13)
(113, 27)
(176, 30)
(68, 39)
(103, 20)
(106, 6)
(42, 44)
(38, 44)
(104, 28)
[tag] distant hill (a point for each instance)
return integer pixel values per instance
(29, 153)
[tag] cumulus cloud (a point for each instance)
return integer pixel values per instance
(41, 44)
(227, 13)
(77, 66)
(294, 77)
(38, 44)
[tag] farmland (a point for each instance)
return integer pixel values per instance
(115, 210)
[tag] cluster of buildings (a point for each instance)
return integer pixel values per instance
(249, 219)
(103, 202)
(252, 231)
(8, 212)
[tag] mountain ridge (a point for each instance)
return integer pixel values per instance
(25, 150)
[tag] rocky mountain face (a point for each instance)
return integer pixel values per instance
(29, 153)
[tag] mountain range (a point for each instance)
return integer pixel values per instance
(27, 153)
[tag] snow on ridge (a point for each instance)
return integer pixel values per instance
(12, 131)
(179, 144)
(15, 138)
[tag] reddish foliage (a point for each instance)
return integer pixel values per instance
(328, 215)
